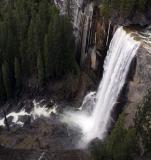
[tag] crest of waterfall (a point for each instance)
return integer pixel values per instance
(121, 52)
(144, 35)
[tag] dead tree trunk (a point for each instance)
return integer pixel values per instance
(6, 122)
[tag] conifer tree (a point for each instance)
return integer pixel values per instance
(2, 89)
(44, 13)
(31, 43)
(46, 57)
(17, 69)
(34, 40)
(51, 52)
(6, 79)
(22, 20)
(40, 68)
(57, 49)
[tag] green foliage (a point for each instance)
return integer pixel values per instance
(121, 144)
(99, 151)
(116, 4)
(40, 68)
(127, 7)
(6, 79)
(142, 5)
(46, 57)
(143, 121)
(17, 69)
(60, 52)
(105, 9)
(34, 41)
(2, 89)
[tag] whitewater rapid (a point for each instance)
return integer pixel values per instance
(38, 111)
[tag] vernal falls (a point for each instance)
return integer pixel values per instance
(95, 123)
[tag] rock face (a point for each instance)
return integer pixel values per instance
(136, 18)
(140, 83)
(102, 31)
(94, 31)
(43, 139)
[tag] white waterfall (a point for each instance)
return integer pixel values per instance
(122, 50)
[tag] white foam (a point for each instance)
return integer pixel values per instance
(37, 112)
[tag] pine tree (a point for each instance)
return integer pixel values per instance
(105, 9)
(46, 57)
(31, 43)
(116, 4)
(51, 51)
(2, 89)
(17, 69)
(68, 52)
(141, 5)
(22, 19)
(6, 79)
(44, 13)
(40, 68)
(57, 52)
(34, 40)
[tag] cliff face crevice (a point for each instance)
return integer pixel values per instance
(93, 35)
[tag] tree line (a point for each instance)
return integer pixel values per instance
(35, 41)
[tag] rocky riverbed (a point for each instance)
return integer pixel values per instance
(39, 135)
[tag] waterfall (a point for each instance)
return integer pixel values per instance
(121, 52)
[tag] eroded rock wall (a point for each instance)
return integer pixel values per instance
(139, 84)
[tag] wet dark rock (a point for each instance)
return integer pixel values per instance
(60, 133)
(42, 133)
(28, 105)
(9, 120)
(25, 119)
